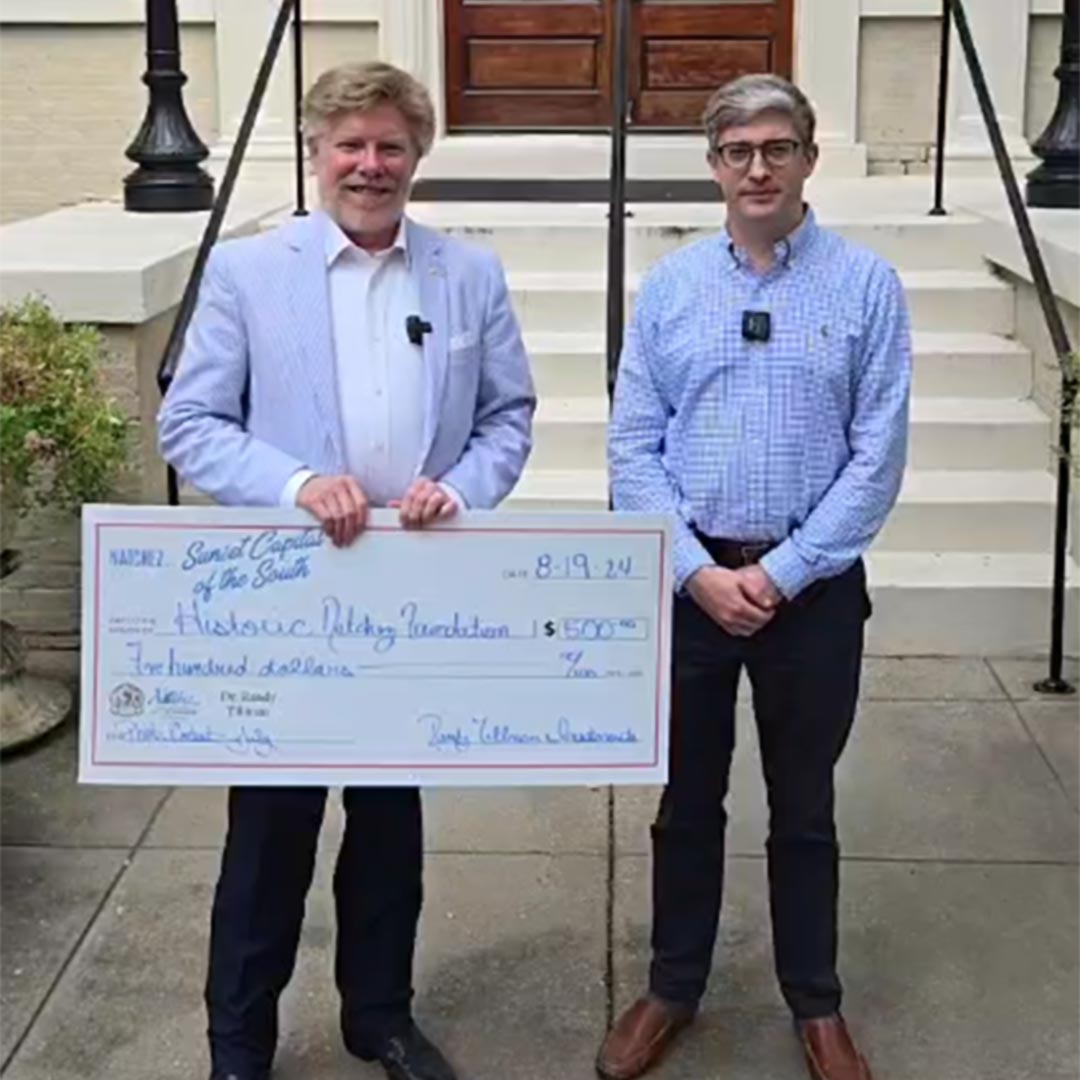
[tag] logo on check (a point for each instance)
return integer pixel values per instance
(127, 700)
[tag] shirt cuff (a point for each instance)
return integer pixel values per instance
(454, 494)
(787, 569)
(690, 556)
(295, 483)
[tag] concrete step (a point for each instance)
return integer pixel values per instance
(965, 604)
(937, 511)
(976, 365)
(570, 433)
(974, 433)
(567, 364)
(559, 490)
(946, 433)
(908, 241)
(940, 300)
(971, 510)
(554, 236)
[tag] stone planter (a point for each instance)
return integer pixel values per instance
(30, 705)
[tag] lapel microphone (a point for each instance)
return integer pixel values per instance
(416, 328)
(756, 325)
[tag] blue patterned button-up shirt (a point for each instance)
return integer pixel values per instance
(799, 440)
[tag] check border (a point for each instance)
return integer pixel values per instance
(663, 627)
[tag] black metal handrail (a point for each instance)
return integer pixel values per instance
(298, 106)
(942, 113)
(616, 262)
(953, 12)
(174, 345)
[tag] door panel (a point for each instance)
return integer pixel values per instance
(682, 64)
(500, 64)
(682, 51)
(528, 64)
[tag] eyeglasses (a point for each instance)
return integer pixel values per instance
(776, 153)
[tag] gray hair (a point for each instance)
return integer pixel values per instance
(359, 87)
(742, 100)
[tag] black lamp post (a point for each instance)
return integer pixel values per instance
(166, 148)
(1056, 182)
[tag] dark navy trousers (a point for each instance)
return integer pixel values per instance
(266, 870)
(804, 671)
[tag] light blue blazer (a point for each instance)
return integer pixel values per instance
(255, 394)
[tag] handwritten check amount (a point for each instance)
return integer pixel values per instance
(238, 646)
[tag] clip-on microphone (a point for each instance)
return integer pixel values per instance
(416, 328)
(756, 325)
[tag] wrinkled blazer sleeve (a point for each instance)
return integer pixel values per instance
(501, 437)
(201, 425)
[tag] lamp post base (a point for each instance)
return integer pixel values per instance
(164, 190)
(1054, 188)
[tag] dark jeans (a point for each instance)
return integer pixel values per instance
(266, 870)
(804, 671)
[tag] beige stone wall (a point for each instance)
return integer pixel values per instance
(897, 99)
(70, 101)
(898, 76)
(131, 379)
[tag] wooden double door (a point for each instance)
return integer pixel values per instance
(530, 65)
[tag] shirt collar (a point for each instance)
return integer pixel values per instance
(337, 242)
(787, 249)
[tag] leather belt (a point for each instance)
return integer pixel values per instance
(733, 554)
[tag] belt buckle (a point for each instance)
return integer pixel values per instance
(752, 553)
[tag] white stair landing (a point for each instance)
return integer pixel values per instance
(962, 604)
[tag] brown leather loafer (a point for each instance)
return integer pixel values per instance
(640, 1037)
(830, 1051)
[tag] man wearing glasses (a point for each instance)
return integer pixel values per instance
(762, 401)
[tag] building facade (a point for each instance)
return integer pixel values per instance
(521, 87)
(523, 90)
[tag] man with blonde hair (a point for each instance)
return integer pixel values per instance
(348, 359)
(762, 401)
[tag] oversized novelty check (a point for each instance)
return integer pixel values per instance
(239, 646)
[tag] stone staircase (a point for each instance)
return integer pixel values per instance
(963, 566)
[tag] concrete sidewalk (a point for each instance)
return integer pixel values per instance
(958, 801)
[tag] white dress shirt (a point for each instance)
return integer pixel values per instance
(380, 373)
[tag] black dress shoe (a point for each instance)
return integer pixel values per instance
(405, 1053)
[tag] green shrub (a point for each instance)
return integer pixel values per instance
(62, 441)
